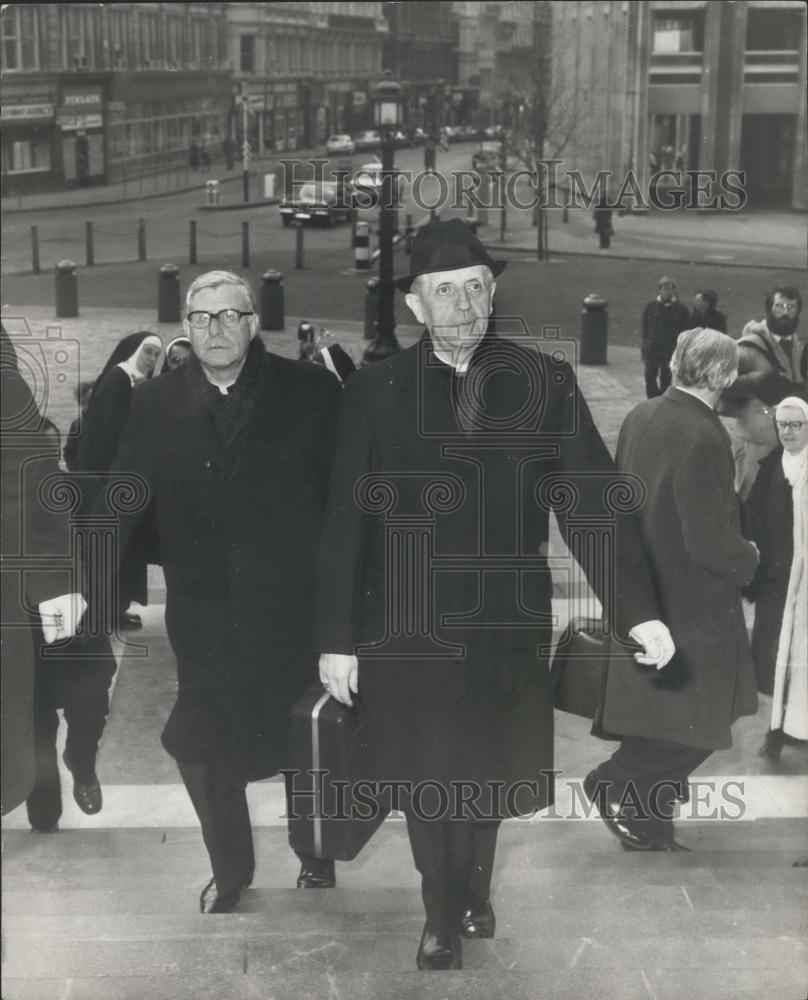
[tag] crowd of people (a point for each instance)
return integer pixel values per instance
(273, 491)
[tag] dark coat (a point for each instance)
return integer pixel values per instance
(239, 527)
(31, 538)
(699, 562)
(712, 319)
(464, 698)
(101, 430)
(770, 524)
(660, 325)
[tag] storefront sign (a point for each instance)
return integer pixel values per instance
(81, 99)
(25, 112)
(70, 122)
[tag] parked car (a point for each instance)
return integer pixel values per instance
(325, 202)
(339, 144)
(367, 140)
(367, 182)
(487, 157)
(418, 137)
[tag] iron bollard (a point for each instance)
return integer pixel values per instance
(409, 233)
(594, 330)
(299, 245)
(362, 247)
(305, 339)
(245, 244)
(192, 247)
(272, 300)
(88, 231)
(168, 294)
(372, 309)
(35, 250)
(141, 240)
(67, 289)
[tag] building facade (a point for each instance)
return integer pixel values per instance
(92, 93)
(420, 53)
(703, 86)
(305, 69)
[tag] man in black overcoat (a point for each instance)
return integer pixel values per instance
(235, 447)
(663, 319)
(670, 722)
(434, 600)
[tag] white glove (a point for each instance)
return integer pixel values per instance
(656, 641)
(61, 616)
(339, 675)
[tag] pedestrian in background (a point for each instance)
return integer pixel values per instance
(777, 518)
(133, 361)
(603, 223)
(178, 351)
(193, 155)
(770, 367)
(662, 321)
(671, 721)
(706, 313)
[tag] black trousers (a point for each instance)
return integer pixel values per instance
(657, 378)
(225, 821)
(647, 776)
(85, 723)
(455, 859)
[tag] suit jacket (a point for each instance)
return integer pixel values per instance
(239, 523)
(660, 325)
(435, 564)
(699, 562)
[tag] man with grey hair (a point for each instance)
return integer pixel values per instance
(235, 447)
(670, 722)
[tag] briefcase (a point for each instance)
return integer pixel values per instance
(580, 664)
(333, 812)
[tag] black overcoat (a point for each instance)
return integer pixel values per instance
(699, 561)
(436, 566)
(239, 528)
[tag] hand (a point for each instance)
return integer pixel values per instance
(339, 675)
(657, 642)
(61, 616)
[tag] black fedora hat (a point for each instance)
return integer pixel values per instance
(446, 246)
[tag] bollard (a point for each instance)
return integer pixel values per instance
(409, 233)
(305, 339)
(192, 249)
(245, 244)
(168, 294)
(272, 301)
(362, 247)
(299, 246)
(35, 250)
(565, 214)
(594, 330)
(372, 309)
(141, 240)
(67, 290)
(353, 228)
(88, 234)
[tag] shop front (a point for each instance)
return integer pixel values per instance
(29, 144)
(81, 122)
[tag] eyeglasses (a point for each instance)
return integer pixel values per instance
(785, 307)
(200, 320)
(790, 425)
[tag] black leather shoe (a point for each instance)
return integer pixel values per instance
(478, 920)
(316, 873)
(612, 816)
(130, 622)
(86, 793)
(211, 902)
(436, 954)
(41, 828)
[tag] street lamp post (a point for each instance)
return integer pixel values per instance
(387, 103)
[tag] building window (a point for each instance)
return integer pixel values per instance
(673, 34)
(247, 53)
(20, 38)
(26, 156)
(774, 30)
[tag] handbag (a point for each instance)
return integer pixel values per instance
(580, 665)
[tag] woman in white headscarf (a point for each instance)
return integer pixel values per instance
(778, 509)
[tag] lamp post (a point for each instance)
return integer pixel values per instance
(387, 102)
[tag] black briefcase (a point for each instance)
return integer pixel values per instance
(580, 664)
(333, 812)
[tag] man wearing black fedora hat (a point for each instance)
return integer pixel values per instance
(434, 602)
